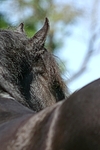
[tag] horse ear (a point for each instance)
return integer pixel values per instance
(20, 28)
(40, 37)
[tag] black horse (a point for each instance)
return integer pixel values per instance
(29, 82)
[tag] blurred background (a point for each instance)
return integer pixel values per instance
(74, 36)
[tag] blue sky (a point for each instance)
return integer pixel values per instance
(75, 47)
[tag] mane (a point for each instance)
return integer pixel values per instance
(28, 71)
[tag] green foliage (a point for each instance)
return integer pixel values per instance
(3, 23)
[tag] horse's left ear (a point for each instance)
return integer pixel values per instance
(20, 28)
(40, 37)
